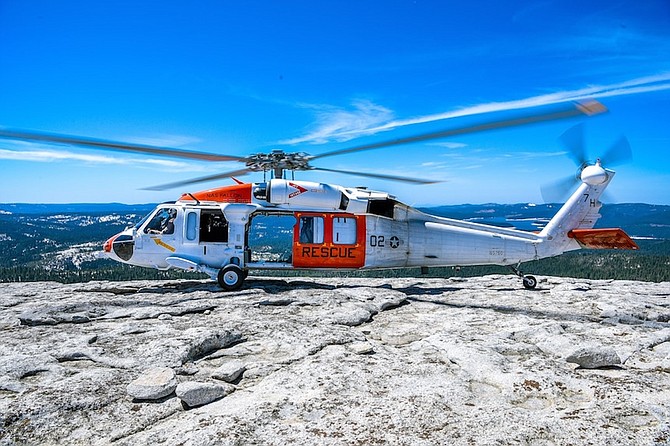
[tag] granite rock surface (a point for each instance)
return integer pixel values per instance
(407, 361)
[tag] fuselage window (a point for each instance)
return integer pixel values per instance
(383, 208)
(191, 226)
(213, 226)
(311, 229)
(162, 222)
(344, 230)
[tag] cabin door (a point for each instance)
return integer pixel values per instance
(322, 240)
(158, 238)
(270, 239)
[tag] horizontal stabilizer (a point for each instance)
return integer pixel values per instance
(614, 238)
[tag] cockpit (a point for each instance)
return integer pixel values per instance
(161, 222)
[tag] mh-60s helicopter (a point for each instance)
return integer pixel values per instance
(335, 227)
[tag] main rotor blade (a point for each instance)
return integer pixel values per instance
(199, 180)
(378, 175)
(573, 141)
(563, 111)
(113, 145)
(619, 153)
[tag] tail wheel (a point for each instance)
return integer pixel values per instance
(529, 282)
(231, 277)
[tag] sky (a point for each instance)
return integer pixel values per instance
(245, 77)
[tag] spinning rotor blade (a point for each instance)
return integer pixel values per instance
(199, 180)
(561, 112)
(620, 153)
(378, 175)
(277, 160)
(558, 191)
(573, 141)
(113, 145)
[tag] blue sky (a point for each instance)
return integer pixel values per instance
(244, 77)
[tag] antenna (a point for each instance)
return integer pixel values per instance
(197, 202)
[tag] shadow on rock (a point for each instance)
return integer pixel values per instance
(417, 290)
(276, 286)
(507, 309)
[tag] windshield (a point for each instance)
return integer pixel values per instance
(145, 218)
(162, 221)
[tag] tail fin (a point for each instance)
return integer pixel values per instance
(581, 211)
(572, 227)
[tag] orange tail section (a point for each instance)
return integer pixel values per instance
(614, 238)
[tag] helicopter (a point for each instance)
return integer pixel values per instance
(334, 227)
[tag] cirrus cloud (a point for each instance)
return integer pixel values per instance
(366, 118)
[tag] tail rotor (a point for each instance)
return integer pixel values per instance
(573, 141)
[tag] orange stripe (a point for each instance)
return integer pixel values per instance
(160, 242)
(237, 193)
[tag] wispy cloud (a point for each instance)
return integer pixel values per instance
(457, 158)
(336, 124)
(534, 155)
(449, 145)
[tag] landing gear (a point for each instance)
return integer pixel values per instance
(529, 282)
(231, 277)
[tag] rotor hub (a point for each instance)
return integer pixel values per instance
(594, 174)
(278, 159)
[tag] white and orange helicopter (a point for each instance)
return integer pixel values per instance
(347, 228)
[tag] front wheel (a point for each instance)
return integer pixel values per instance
(231, 277)
(529, 282)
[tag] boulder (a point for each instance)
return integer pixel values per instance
(230, 371)
(595, 357)
(194, 394)
(153, 384)
(361, 348)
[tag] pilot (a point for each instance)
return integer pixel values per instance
(168, 225)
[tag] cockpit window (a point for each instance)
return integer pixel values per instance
(162, 222)
(139, 224)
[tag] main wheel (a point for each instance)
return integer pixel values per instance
(529, 282)
(231, 277)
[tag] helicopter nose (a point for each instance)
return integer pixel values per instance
(107, 247)
(121, 245)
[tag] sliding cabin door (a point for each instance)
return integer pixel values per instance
(322, 240)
